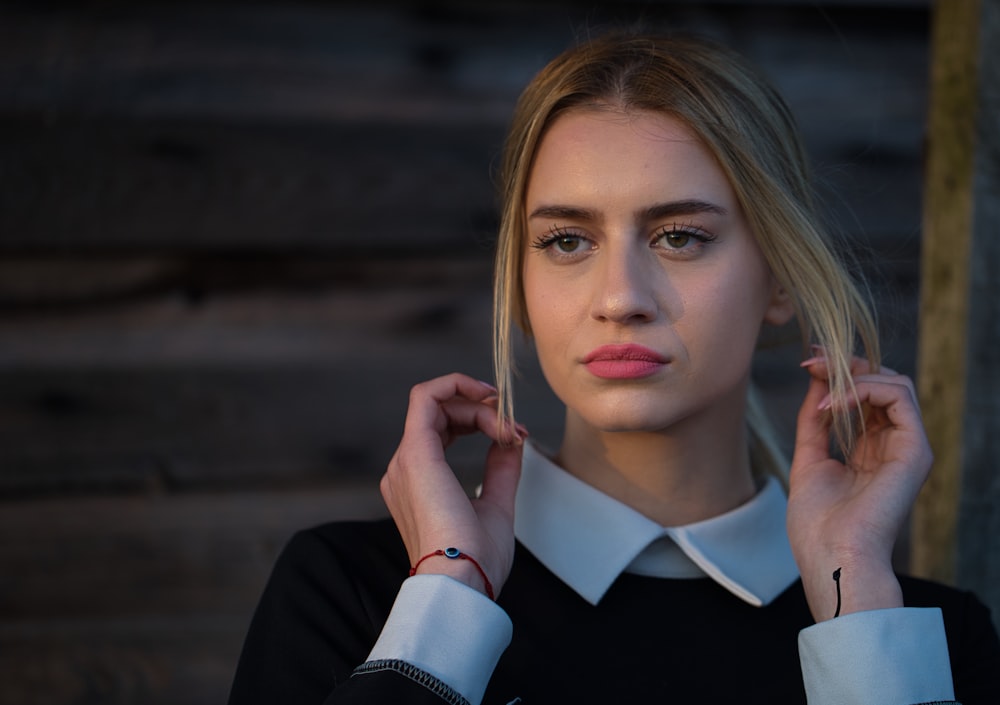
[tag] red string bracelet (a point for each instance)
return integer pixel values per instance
(455, 554)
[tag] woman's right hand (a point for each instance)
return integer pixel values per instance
(431, 509)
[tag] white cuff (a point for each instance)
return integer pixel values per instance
(447, 629)
(891, 657)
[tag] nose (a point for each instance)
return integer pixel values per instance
(625, 285)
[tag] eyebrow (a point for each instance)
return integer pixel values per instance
(655, 212)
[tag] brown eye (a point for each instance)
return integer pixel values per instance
(562, 246)
(676, 239)
(682, 241)
(568, 244)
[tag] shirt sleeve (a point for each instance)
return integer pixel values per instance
(891, 657)
(447, 629)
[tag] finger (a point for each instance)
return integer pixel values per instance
(459, 417)
(444, 408)
(817, 366)
(812, 437)
(812, 433)
(462, 417)
(503, 472)
(893, 441)
(441, 410)
(887, 376)
(427, 397)
(893, 379)
(894, 396)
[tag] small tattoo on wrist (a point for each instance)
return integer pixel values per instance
(836, 579)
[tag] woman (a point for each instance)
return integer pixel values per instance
(656, 215)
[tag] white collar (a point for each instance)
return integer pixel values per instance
(588, 539)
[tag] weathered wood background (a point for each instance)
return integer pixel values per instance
(956, 522)
(232, 236)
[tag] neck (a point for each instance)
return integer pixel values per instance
(695, 470)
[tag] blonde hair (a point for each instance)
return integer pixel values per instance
(749, 129)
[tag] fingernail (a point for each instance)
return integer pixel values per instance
(818, 350)
(811, 361)
(825, 403)
(516, 431)
(488, 385)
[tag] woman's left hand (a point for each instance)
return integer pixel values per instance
(848, 515)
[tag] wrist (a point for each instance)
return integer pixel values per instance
(869, 591)
(457, 565)
(839, 588)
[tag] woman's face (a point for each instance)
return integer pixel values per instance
(645, 289)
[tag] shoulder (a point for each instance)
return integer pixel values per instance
(341, 563)
(349, 537)
(324, 605)
(340, 577)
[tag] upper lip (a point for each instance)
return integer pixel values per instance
(629, 351)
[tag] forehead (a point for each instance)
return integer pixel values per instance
(609, 155)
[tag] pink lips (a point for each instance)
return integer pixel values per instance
(623, 362)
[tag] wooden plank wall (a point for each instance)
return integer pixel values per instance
(232, 236)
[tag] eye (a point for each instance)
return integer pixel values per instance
(561, 244)
(688, 240)
(567, 243)
(675, 239)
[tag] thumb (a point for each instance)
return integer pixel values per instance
(812, 434)
(503, 471)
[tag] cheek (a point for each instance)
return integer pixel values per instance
(541, 299)
(552, 317)
(546, 317)
(731, 312)
(530, 293)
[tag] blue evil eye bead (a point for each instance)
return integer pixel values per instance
(452, 552)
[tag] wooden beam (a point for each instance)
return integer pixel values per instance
(978, 545)
(956, 533)
(944, 292)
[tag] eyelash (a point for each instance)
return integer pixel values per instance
(692, 231)
(557, 233)
(554, 235)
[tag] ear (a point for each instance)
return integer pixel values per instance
(781, 307)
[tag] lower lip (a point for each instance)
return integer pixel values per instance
(623, 369)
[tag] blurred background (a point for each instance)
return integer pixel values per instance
(233, 235)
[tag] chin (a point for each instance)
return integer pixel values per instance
(625, 426)
(633, 419)
(628, 408)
